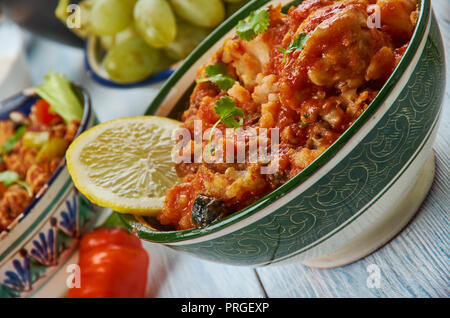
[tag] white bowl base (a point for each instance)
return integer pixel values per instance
(386, 228)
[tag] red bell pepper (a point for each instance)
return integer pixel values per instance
(43, 114)
(113, 264)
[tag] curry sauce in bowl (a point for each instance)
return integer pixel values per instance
(342, 81)
(310, 75)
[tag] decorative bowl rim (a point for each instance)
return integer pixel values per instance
(167, 237)
(9, 105)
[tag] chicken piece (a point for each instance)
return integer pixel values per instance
(269, 113)
(341, 48)
(396, 18)
(14, 201)
(381, 65)
(246, 185)
(71, 130)
(242, 98)
(177, 210)
(336, 55)
(247, 66)
(299, 14)
(250, 58)
(266, 86)
(6, 130)
(302, 158)
(58, 131)
(20, 159)
(39, 173)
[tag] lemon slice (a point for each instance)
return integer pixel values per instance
(125, 164)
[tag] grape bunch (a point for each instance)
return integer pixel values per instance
(141, 37)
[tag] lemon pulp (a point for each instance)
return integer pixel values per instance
(125, 164)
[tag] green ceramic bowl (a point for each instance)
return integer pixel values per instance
(40, 243)
(355, 196)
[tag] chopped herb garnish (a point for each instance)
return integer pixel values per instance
(218, 74)
(228, 111)
(8, 178)
(24, 185)
(226, 108)
(296, 45)
(9, 144)
(302, 124)
(257, 23)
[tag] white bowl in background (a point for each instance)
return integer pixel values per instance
(14, 75)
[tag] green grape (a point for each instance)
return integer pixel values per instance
(233, 6)
(188, 37)
(126, 34)
(131, 60)
(204, 13)
(108, 17)
(233, 1)
(107, 42)
(155, 22)
(164, 62)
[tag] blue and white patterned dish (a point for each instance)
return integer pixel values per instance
(40, 240)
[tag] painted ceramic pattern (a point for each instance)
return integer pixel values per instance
(35, 254)
(50, 246)
(361, 176)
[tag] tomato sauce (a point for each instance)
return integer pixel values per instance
(311, 94)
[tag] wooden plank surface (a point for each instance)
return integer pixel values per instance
(414, 264)
(174, 274)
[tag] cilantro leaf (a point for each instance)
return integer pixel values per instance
(24, 185)
(217, 74)
(218, 68)
(226, 108)
(296, 45)
(258, 21)
(9, 144)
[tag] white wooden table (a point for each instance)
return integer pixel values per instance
(414, 264)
